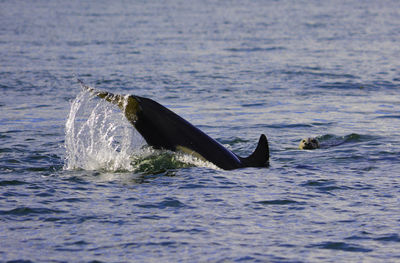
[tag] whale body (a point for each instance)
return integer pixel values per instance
(163, 129)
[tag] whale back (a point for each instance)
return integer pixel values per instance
(163, 129)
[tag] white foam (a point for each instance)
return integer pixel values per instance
(189, 159)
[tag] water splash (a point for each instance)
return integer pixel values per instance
(151, 161)
(98, 137)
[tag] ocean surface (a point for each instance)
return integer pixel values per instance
(78, 184)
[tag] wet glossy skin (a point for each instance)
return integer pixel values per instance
(163, 129)
(309, 144)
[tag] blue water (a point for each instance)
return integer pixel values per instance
(235, 69)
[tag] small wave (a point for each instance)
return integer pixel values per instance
(353, 85)
(20, 261)
(72, 200)
(22, 211)
(232, 141)
(10, 150)
(388, 117)
(354, 137)
(363, 235)
(279, 202)
(318, 73)
(285, 125)
(345, 86)
(4, 136)
(255, 49)
(329, 140)
(389, 238)
(317, 183)
(324, 185)
(341, 246)
(11, 182)
(254, 105)
(315, 25)
(166, 203)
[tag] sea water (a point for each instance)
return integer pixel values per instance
(79, 184)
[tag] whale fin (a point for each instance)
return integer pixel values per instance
(260, 157)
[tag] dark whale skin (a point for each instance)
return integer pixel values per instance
(163, 129)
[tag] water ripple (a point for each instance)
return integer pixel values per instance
(389, 238)
(279, 202)
(24, 211)
(255, 49)
(166, 203)
(341, 246)
(236, 69)
(12, 182)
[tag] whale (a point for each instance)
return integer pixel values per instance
(163, 129)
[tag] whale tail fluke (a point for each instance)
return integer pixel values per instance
(260, 157)
(113, 98)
